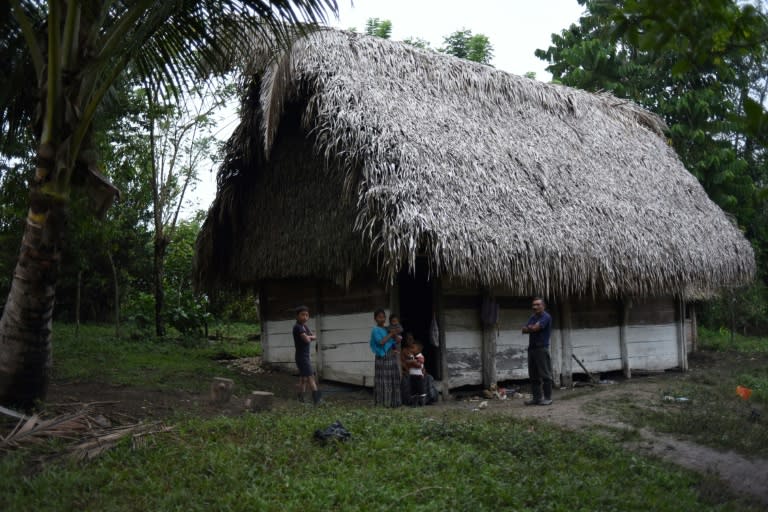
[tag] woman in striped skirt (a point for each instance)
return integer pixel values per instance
(386, 377)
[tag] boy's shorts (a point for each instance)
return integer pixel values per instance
(305, 367)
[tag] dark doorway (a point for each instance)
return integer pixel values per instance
(416, 310)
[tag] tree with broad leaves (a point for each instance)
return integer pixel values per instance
(63, 57)
(465, 45)
(378, 27)
(703, 67)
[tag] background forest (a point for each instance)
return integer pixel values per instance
(703, 69)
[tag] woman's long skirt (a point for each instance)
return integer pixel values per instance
(386, 380)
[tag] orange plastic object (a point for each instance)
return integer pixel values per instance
(743, 392)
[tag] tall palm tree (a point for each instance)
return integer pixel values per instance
(64, 55)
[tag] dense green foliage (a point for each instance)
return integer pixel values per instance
(702, 67)
(462, 43)
(378, 27)
(466, 45)
(723, 340)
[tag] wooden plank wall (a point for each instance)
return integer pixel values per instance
(512, 344)
(652, 334)
(463, 336)
(341, 317)
(345, 350)
(278, 300)
(595, 334)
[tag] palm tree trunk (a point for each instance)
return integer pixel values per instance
(25, 327)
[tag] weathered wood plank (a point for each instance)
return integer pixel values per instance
(467, 340)
(350, 321)
(566, 341)
(472, 302)
(598, 349)
(352, 375)
(344, 336)
(280, 297)
(594, 314)
(463, 358)
(652, 311)
(651, 333)
(513, 319)
(655, 361)
(626, 306)
(346, 352)
(511, 338)
(511, 359)
(284, 326)
(681, 344)
(463, 320)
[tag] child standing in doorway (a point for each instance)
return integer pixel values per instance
(302, 338)
(416, 375)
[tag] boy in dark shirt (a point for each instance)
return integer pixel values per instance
(302, 338)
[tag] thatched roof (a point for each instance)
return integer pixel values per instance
(356, 151)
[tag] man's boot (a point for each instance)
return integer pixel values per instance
(547, 393)
(535, 396)
(317, 397)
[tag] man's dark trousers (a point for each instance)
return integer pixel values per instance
(540, 372)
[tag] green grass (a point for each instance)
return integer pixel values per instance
(405, 459)
(397, 460)
(95, 355)
(720, 340)
(711, 413)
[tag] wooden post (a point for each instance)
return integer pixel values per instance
(221, 390)
(488, 350)
(444, 375)
(556, 348)
(265, 355)
(682, 350)
(625, 305)
(566, 372)
(318, 331)
(694, 330)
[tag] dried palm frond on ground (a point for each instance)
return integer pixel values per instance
(85, 433)
(248, 365)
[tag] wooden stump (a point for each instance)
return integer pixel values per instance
(221, 390)
(259, 401)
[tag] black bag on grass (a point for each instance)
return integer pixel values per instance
(335, 431)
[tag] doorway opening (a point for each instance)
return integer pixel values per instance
(417, 307)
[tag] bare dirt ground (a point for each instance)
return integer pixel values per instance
(573, 409)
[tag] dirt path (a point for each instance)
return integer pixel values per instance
(572, 410)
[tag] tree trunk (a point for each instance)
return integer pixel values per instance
(117, 293)
(25, 327)
(77, 302)
(159, 267)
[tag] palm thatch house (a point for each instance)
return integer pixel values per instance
(368, 173)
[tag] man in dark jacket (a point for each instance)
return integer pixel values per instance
(538, 328)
